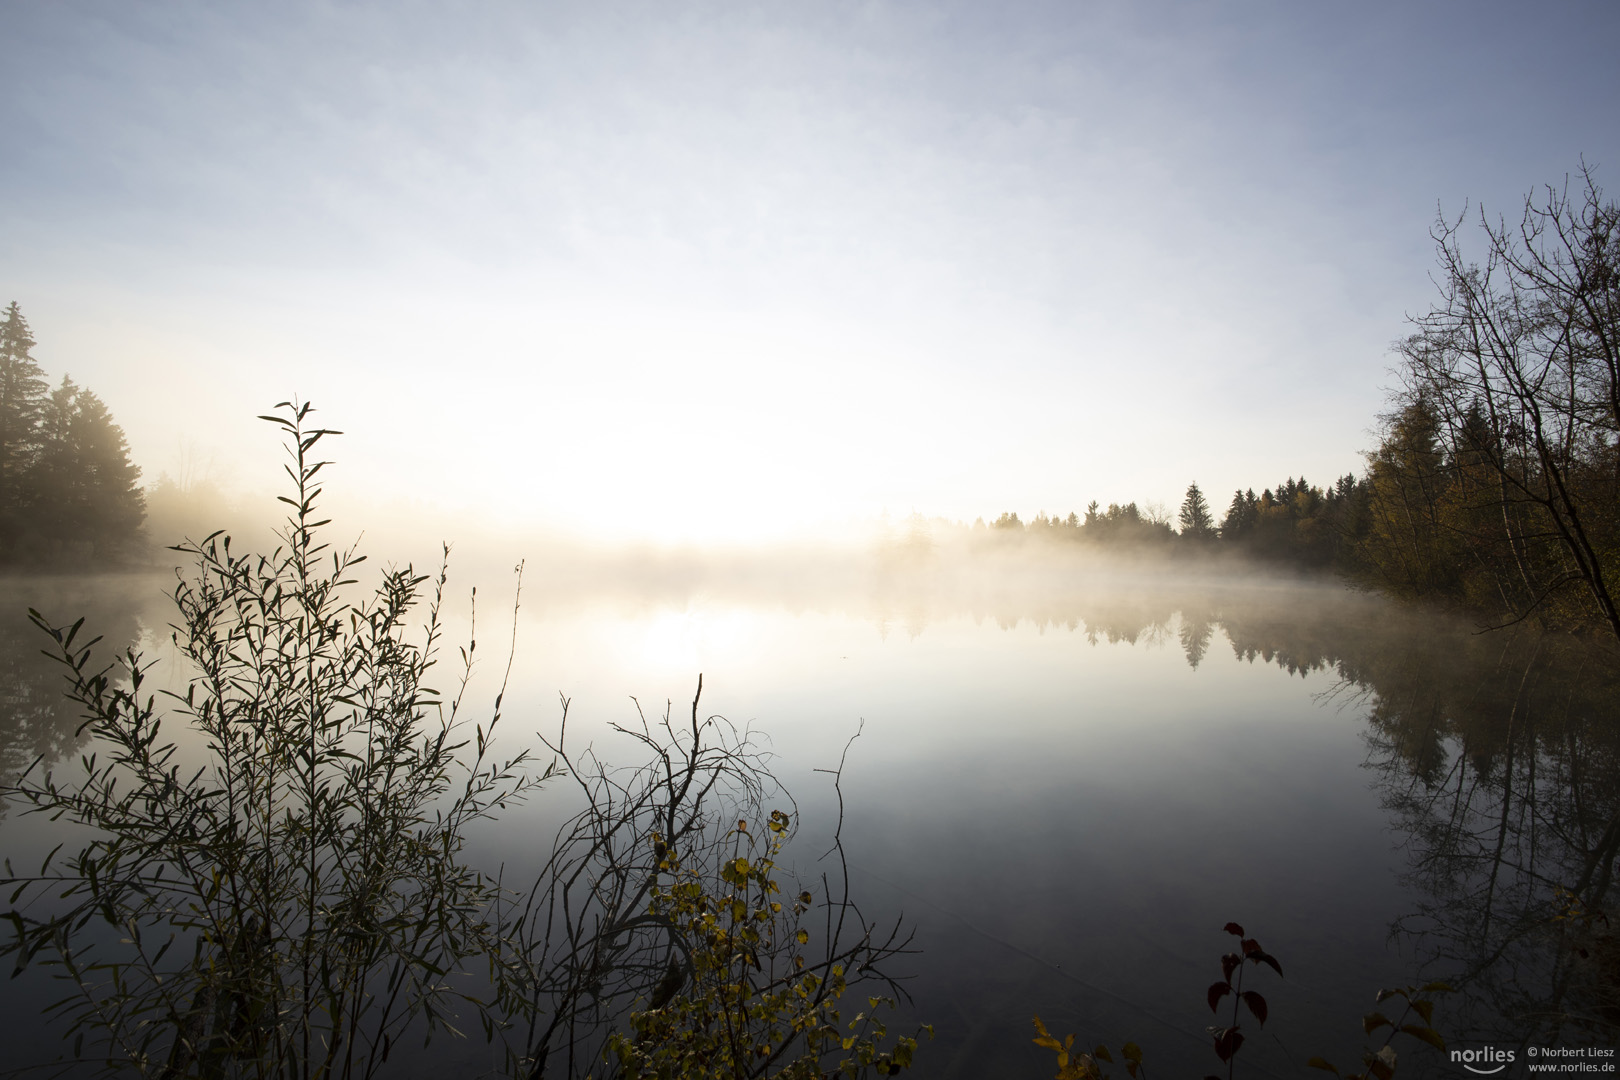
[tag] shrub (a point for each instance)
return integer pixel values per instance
(290, 906)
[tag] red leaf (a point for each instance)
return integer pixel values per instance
(1249, 946)
(1227, 1041)
(1234, 929)
(1216, 992)
(1267, 958)
(1229, 964)
(1256, 1004)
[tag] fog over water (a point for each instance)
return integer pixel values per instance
(1068, 774)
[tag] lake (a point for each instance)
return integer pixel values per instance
(1068, 781)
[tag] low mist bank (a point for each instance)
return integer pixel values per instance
(933, 567)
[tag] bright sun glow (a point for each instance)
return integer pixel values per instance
(699, 638)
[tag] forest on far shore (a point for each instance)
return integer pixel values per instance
(1298, 524)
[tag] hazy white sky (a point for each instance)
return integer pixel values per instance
(749, 269)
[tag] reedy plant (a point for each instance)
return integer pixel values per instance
(298, 902)
(635, 954)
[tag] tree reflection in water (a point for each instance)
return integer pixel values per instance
(1501, 776)
(1497, 756)
(37, 723)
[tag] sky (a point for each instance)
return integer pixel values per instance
(685, 272)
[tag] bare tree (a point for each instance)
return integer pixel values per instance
(1520, 365)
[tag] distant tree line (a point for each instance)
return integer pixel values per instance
(1297, 524)
(1495, 485)
(68, 491)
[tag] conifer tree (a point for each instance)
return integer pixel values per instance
(22, 395)
(67, 487)
(84, 487)
(1241, 516)
(1196, 521)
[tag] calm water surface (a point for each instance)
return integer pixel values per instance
(1067, 788)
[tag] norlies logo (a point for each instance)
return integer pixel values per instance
(1485, 1062)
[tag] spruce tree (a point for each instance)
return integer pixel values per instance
(114, 503)
(83, 488)
(22, 395)
(68, 490)
(1241, 516)
(1196, 521)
